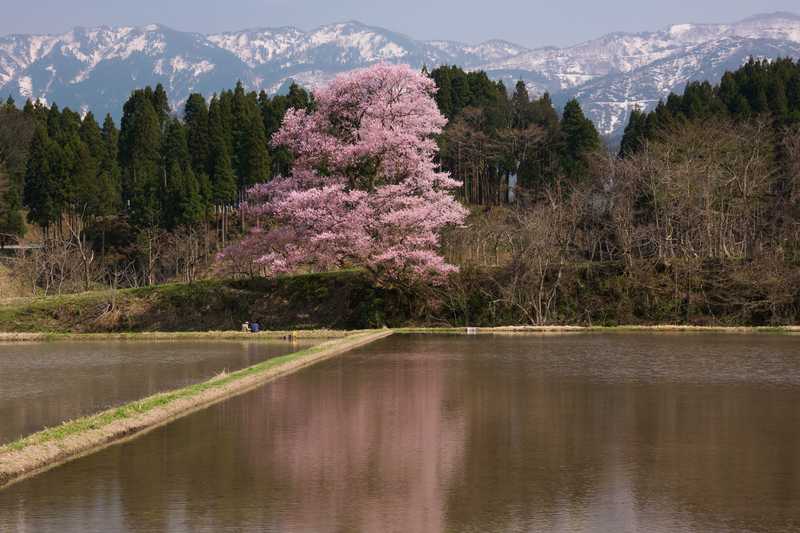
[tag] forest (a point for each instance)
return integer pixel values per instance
(694, 219)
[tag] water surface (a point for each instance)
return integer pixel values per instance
(44, 384)
(590, 432)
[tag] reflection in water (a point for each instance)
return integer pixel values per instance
(432, 433)
(44, 384)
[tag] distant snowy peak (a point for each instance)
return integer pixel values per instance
(257, 47)
(352, 41)
(96, 68)
(624, 52)
(611, 99)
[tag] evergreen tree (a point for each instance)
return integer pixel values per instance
(272, 112)
(299, 98)
(109, 173)
(81, 181)
(206, 194)
(635, 133)
(195, 116)
(521, 109)
(444, 96)
(54, 122)
(16, 130)
(39, 182)
(256, 165)
(461, 94)
(160, 105)
(36, 111)
(186, 202)
(12, 223)
(223, 181)
(140, 159)
(223, 178)
(183, 203)
(580, 139)
(92, 136)
(175, 148)
(759, 88)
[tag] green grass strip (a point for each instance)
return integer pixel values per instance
(99, 420)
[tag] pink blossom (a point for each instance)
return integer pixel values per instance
(364, 189)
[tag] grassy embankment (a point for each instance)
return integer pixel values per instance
(53, 446)
(338, 300)
(144, 336)
(349, 300)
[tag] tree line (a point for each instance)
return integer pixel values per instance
(697, 215)
(696, 219)
(759, 89)
(156, 169)
(495, 142)
(113, 192)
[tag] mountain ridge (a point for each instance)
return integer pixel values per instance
(97, 67)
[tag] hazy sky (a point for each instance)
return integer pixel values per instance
(527, 22)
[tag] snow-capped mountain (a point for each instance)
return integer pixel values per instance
(609, 100)
(311, 58)
(97, 68)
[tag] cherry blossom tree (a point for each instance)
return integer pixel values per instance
(363, 190)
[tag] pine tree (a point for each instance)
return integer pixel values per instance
(257, 167)
(461, 94)
(161, 105)
(223, 181)
(16, 130)
(778, 102)
(195, 116)
(187, 202)
(92, 136)
(223, 178)
(521, 109)
(140, 159)
(635, 133)
(299, 98)
(206, 194)
(54, 122)
(36, 111)
(544, 113)
(12, 223)
(110, 173)
(580, 139)
(182, 205)
(175, 148)
(444, 94)
(38, 192)
(85, 199)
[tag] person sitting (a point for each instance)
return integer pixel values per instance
(255, 327)
(245, 327)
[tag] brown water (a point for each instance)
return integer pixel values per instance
(595, 432)
(44, 384)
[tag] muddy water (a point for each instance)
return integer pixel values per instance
(599, 432)
(43, 384)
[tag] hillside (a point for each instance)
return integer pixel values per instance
(591, 295)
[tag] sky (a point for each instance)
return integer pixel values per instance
(526, 22)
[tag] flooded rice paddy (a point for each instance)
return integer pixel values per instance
(584, 432)
(44, 384)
